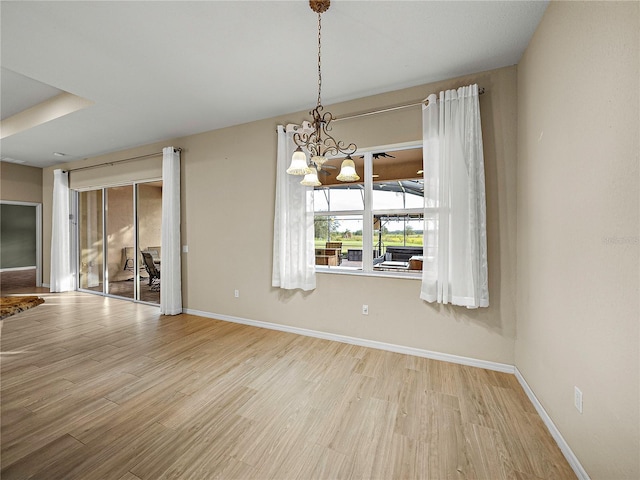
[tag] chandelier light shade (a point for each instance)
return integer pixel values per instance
(311, 179)
(314, 136)
(298, 163)
(348, 171)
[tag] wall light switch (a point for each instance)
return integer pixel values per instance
(365, 309)
(185, 248)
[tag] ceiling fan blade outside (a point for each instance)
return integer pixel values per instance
(382, 155)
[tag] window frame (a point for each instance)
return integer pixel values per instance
(367, 218)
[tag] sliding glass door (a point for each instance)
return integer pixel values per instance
(149, 203)
(90, 241)
(116, 226)
(120, 241)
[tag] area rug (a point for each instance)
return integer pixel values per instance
(12, 305)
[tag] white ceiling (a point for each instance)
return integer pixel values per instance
(162, 69)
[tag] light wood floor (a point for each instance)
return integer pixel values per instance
(100, 388)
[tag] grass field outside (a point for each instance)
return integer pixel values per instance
(354, 242)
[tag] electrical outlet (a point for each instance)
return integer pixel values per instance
(236, 293)
(365, 309)
(577, 399)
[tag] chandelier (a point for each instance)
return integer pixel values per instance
(315, 137)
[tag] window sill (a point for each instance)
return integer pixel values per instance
(360, 273)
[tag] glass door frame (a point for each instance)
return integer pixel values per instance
(75, 241)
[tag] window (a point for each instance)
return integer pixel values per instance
(377, 223)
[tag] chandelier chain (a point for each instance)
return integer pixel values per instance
(319, 58)
(315, 136)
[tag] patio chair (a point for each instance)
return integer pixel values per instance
(154, 273)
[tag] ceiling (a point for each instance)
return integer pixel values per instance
(155, 70)
(392, 165)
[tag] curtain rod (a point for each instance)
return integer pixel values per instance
(118, 161)
(390, 109)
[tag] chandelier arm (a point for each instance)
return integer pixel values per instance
(298, 140)
(308, 141)
(330, 141)
(324, 144)
(335, 147)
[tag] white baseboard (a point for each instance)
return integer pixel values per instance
(46, 285)
(418, 352)
(577, 467)
(17, 269)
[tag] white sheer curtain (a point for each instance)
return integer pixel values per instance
(170, 264)
(455, 238)
(61, 279)
(293, 231)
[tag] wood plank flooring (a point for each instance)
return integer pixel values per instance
(100, 388)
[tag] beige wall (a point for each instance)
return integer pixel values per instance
(137, 170)
(228, 208)
(20, 183)
(578, 230)
(228, 185)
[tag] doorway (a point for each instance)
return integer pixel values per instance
(20, 244)
(115, 226)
